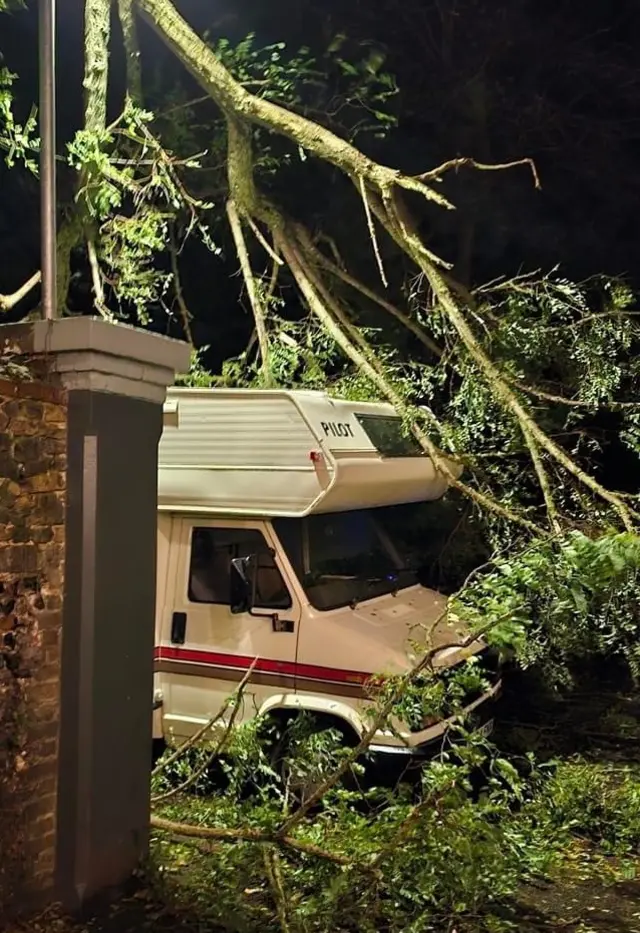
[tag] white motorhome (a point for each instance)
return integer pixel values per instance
(274, 550)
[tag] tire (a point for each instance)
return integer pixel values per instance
(300, 787)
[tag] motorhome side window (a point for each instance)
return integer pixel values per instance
(213, 549)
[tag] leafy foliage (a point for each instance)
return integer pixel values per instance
(353, 92)
(441, 849)
(599, 802)
(18, 141)
(562, 601)
(134, 193)
(152, 181)
(396, 859)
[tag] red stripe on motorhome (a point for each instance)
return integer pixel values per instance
(263, 665)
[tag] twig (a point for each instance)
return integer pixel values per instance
(250, 344)
(335, 252)
(274, 874)
(337, 269)
(406, 827)
(165, 763)
(273, 281)
(7, 302)
(592, 317)
(563, 400)
(262, 241)
(465, 161)
(543, 478)
(177, 289)
(372, 232)
(501, 283)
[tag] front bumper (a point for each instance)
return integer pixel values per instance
(427, 745)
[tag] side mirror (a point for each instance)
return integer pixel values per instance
(241, 584)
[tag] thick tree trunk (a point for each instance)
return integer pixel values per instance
(97, 28)
(130, 40)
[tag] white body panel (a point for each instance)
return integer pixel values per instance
(248, 452)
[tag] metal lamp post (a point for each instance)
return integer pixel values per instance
(47, 112)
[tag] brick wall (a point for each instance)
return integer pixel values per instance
(32, 504)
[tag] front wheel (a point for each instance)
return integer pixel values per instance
(305, 750)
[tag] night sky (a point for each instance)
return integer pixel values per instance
(495, 79)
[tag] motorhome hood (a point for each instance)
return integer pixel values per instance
(388, 634)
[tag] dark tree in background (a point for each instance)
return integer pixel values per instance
(501, 79)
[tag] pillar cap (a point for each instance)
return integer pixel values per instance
(92, 354)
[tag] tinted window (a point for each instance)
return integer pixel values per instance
(389, 437)
(213, 549)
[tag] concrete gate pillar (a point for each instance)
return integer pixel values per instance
(115, 378)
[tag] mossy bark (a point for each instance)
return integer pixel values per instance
(97, 29)
(132, 51)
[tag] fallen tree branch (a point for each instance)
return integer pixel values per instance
(235, 101)
(8, 302)
(384, 188)
(248, 834)
(339, 272)
(318, 307)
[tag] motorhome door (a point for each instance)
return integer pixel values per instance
(208, 649)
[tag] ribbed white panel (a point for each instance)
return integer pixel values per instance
(249, 452)
(236, 430)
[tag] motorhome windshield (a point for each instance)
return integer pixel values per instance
(343, 558)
